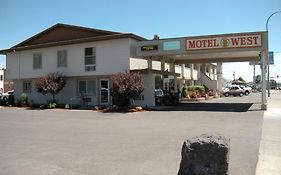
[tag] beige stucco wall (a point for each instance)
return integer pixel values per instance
(111, 57)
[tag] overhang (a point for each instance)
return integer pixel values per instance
(153, 71)
(235, 47)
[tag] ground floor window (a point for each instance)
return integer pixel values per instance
(87, 87)
(27, 86)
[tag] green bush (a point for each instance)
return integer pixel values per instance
(193, 91)
(52, 105)
(23, 99)
(198, 88)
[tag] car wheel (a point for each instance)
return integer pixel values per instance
(226, 94)
(241, 94)
(247, 93)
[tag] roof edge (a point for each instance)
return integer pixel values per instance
(74, 41)
(64, 25)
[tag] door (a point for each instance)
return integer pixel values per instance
(104, 92)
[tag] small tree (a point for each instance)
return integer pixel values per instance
(126, 86)
(241, 79)
(258, 79)
(53, 83)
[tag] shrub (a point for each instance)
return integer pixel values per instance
(193, 91)
(23, 99)
(198, 88)
(52, 105)
(126, 86)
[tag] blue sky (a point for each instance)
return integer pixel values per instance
(22, 19)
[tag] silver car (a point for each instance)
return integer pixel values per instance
(234, 90)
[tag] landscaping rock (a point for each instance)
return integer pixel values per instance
(205, 155)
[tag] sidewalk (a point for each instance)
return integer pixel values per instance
(269, 162)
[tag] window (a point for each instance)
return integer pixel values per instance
(27, 86)
(90, 59)
(87, 86)
(1, 77)
(37, 61)
(62, 58)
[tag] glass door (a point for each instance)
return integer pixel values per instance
(104, 92)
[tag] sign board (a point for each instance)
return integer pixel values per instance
(270, 57)
(149, 48)
(171, 45)
(224, 42)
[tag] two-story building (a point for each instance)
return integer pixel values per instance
(88, 57)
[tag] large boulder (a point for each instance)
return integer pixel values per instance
(205, 155)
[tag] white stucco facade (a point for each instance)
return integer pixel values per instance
(112, 56)
(117, 52)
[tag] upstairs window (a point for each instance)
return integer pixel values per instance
(37, 61)
(1, 77)
(62, 58)
(90, 59)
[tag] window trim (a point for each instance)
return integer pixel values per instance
(41, 60)
(86, 93)
(90, 67)
(64, 66)
(24, 89)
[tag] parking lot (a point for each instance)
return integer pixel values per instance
(68, 142)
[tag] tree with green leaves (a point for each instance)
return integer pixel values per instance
(273, 84)
(241, 79)
(53, 83)
(258, 79)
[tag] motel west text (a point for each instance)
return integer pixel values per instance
(224, 42)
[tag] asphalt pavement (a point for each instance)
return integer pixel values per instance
(64, 142)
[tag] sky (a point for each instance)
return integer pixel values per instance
(21, 19)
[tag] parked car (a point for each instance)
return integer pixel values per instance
(234, 90)
(247, 89)
(5, 96)
(159, 95)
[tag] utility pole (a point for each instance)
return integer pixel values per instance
(268, 85)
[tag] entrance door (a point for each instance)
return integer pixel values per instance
(104, 92)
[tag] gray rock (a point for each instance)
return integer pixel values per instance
(205, 155)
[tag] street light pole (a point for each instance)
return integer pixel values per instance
(268, 85)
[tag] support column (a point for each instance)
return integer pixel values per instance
(219, 78)
(182, 71)
(199, 72)
(214, 73)
(204, 68)
(263, 73)
(149, 63)
(172, 67)
(191, 74)
(254, 77)
(163, 64)
(209, 70)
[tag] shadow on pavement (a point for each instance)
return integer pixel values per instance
(223, 107)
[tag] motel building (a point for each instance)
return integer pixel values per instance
(89, 57)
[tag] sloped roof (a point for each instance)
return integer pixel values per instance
(63, 34)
